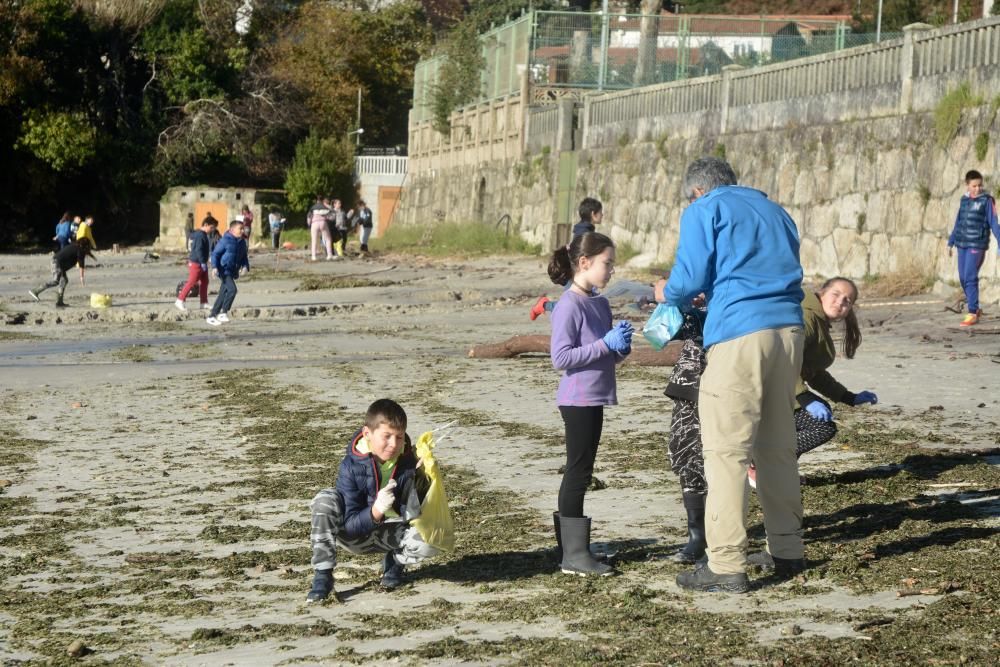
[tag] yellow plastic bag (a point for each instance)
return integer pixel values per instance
(434, 523)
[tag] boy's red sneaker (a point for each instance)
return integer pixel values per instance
(538, 308)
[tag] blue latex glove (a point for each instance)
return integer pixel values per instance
(819, 411)
(617, 341)
(865, 397)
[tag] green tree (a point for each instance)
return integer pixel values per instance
(458, 81)
(320, 167)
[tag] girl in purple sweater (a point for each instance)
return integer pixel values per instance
(586, 347)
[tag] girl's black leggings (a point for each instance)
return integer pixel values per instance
(583, 434)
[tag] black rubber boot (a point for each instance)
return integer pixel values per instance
(598, 555)
(392, 573)
(577, 559)
(322, 586)
(694, 550)
(60, 303)
(703, 579)
(783, 568)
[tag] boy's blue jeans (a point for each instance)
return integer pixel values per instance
(227, 294)
(969, 262)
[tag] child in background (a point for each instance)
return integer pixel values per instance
(62, 236)
(276, 222)
(246, 216)
(74, 227)
(591, 213)
(229, 259)
(977, 215)
(62, 261)
(198, 264)
(375, 497)
(318, 219)
(586, 347)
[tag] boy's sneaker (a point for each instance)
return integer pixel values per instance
(204, 305)
(971, 318)
(222, 317)
(179, 305)
(538, 308)
(322, 586)
(752, 476)
(703, 579)
(214, 321)
(392, 573)
(33, 295)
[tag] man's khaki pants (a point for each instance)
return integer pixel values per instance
(745, 405)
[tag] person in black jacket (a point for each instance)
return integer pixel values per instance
(198, 264)
(375, 497)
(62, 261)
(591, 213)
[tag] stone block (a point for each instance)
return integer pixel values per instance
(844, 173)
(809, 255)
(805, 186)
(852, 253)
(820, 220)
(879, 254)
(849, 209)
(873, 213)
(827, 263)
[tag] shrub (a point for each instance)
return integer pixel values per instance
(904, 281)
(925, 194)
(982, 145)
(948, 114)
(321, 166)
(453, 238)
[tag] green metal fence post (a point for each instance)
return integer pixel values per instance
(683, 47)
(603, 70)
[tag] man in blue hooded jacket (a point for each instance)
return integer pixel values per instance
(742, 251)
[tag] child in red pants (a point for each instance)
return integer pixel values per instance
(198, 264)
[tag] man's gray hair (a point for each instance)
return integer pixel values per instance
(708, 173)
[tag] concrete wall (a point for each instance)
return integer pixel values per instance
(847, 143)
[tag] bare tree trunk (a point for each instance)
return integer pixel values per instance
(649, 29)
(516, 345)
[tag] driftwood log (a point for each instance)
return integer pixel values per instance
(515, 345)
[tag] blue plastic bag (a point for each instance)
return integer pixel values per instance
(663, 325)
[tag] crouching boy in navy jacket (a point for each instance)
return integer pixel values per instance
(375, 498)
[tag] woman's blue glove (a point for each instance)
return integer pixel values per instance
(865, 397)
(819, 411)
(618, 340)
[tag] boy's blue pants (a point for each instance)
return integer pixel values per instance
(969, 262)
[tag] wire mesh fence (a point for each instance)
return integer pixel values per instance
(618, 51)
(626, 50)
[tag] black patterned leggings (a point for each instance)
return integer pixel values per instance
(686, 458)
(811, 433)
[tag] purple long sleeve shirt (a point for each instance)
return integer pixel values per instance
(578, 327)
